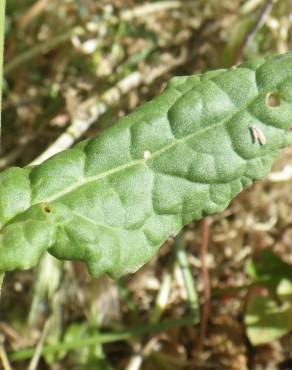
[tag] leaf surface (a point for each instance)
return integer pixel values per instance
(112, 201)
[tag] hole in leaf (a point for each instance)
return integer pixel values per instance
(273, 99)
(47, 208)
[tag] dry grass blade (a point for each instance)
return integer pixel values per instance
(33, 365)
(3, 357)
(2, 276)
(149, 8)
(32, 13)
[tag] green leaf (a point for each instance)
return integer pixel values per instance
(85, 358)
(266, 320)
(269, 317)
(112, 201)
(271, 272)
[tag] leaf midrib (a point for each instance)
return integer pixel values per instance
(143, 161)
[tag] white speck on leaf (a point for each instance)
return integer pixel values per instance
(147, 154)
(258, 136)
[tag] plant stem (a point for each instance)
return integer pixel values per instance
(38, 350)
(183, 262)
(2, 275)
(104, 338)
(2, 32)
(204, 231)
(162, 298)
(4, 359)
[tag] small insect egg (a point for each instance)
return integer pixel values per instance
(147, 154)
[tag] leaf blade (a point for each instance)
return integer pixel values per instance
(113, 200)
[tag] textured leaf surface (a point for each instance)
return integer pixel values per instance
(112, 201)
